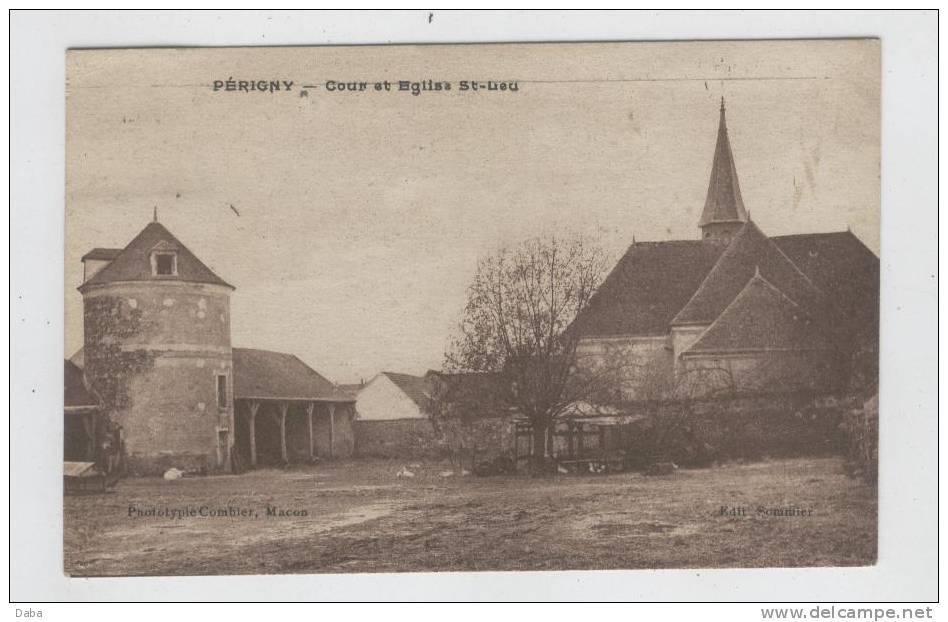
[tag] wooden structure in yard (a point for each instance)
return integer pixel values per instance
(287, 412)
(82, 411)
(83, 477)
(578, 442)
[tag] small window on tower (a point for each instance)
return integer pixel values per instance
(165, 264)
(222, 391)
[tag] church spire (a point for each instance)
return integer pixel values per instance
(724, 212)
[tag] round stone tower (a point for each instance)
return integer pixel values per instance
(157, 350)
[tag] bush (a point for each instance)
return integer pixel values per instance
(700, 433)
(861, 427)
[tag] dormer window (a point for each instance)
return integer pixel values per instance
(164, 263)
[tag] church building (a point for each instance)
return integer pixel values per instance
(735, 309)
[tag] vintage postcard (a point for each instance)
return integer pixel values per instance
(471, 307)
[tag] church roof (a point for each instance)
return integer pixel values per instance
(655, 280)
(268, 375)
(761, 318)
(724, 202)
(133, 263)
(648, 286)
(844, 269)
(748, 252)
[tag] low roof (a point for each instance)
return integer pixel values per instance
(133, 263)
(75, 394)
(415, 387)
(107, 254)
(268, 375)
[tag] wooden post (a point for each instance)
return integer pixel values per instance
(571, 450)
(309, 427)
(283, 408)
(252, 424)
(332, 430)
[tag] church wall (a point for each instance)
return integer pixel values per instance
(645, 364)
(683, 337)
(770, 371)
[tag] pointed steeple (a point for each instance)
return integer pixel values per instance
(724, 211)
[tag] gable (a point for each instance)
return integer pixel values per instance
(415, 387)
(383, 400)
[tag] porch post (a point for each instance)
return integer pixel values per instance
(332, 429)
(283, 408)
(252, 421)
(309, 427)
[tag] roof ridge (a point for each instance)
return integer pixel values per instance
(714, 268)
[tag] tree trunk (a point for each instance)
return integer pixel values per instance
(538, 456)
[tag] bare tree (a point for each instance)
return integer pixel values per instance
(517, 324)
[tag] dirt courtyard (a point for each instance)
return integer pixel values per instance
(357, 516)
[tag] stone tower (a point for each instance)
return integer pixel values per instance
(157, 350)
(724, 212)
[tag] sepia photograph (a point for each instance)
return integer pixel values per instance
(423, 308)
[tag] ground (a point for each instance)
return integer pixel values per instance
(360, 517)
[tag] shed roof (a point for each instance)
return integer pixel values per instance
(75, 393)
(133, 263)
(268, 375)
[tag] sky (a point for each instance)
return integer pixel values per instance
(351, 223)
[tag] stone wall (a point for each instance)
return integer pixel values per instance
(153, 352)
(397, 438)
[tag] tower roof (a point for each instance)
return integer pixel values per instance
(133, 263)
(724, 202)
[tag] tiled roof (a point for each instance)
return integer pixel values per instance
(133, 263)
(749, 251)
(724, 202)
(761, 318)
(75, 393)
(414, 387)
(263, 374)
(648, 286)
